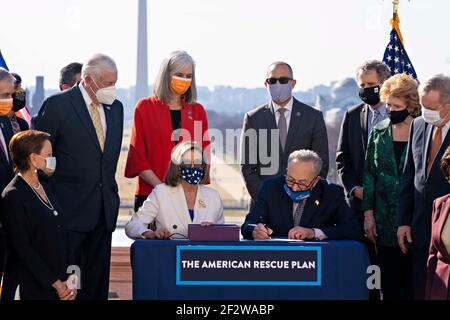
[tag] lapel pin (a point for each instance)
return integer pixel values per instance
(109, 108)
(298, 114)
(317, 202)
(201, 203)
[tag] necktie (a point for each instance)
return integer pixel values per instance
(15, 125)
(376, 117)
(282, 127)
(97, 125)
(434, 148)
(299, 212)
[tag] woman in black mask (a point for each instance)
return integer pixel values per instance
(385, 159)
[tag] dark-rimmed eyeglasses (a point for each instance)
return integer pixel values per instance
(282, 80)
(301, 184)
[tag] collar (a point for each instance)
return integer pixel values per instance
(288, 106)
(381, 108)
(85, 95)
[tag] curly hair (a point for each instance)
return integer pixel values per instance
(404, 87)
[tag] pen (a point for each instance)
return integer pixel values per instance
(254, 225)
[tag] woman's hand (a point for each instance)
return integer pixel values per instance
(64, 293)
(206, 223)
(158, 234)
(370, 227)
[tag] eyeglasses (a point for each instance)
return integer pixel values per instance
(282, 80)
(291, 182)
(192, 165)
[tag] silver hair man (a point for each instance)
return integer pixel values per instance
(381, 68)
(439, 83)
(307, 156)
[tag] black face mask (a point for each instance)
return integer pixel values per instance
(370, 95)
(19, 100)
(398, 116)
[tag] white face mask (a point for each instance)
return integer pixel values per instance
(432, 117)
(106, 95)
(50, 163)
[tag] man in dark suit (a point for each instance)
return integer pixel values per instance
(301, 205)
(356, 126)
(86, 126)
(422, 180)
(272, 131)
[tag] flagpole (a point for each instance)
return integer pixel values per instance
(395, 22)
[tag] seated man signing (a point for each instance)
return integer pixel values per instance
(301, 205)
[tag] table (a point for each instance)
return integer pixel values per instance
(343, 273)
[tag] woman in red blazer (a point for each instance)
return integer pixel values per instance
(171, 116)
(438, 273)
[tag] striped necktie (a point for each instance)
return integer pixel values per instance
(96, 121)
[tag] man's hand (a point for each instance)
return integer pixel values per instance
(301, 233)
(402, 233)
(370, 227)
(260, 232)
(359, 193)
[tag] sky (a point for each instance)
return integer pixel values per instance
(232, 41)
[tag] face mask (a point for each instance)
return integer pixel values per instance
(432, 117)
(105, 95)
(50, 163)
(6, 106)
(192, 175)
(398, 116)
(19, 100)
(297, 196)
(370, 95)
(279, 92)
(180, 85)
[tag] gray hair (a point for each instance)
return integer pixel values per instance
(439, 83)
(307, 156)
(381, 68)
(173, 64)
(97, 63)
(5, 74)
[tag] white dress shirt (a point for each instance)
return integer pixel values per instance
(101, 110)
(287, 113)
(319, 234)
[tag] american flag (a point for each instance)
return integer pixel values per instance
(396, 58)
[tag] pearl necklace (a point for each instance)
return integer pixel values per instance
(49, 205)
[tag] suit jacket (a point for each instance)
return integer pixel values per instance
(259, 162)
(84, 179)
(37, 241)
(325, 209)
(350, 154)
(6, 171)
(438, 267)
(381, 191)
(417, 190)
(167, 206)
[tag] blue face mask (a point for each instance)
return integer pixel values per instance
(192, 175)
(296, 196)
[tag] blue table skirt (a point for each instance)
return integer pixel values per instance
(344, 265)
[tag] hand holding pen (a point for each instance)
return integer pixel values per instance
(261, 231)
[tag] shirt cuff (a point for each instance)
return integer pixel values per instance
(350, 193)
(319, 234)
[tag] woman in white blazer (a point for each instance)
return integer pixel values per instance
(180, 200)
